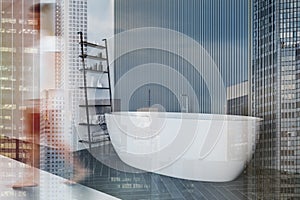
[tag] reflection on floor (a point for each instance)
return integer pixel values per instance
(131, 186)
(51, 187)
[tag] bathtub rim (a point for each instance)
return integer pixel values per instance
(180, 115)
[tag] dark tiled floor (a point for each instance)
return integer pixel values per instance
(138, 186)
(260, 184)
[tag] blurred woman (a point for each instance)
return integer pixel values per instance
(42, 20)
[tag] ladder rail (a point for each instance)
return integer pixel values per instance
(85, 90)
(108, 71)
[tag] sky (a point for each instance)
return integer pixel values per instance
(100, 20)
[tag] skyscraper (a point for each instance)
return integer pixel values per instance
(59, 105)
(276, 58)
(275, 90)
(18, 53)
(71, 19)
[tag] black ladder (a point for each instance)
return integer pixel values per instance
(99, 135)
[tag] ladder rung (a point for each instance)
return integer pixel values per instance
(100, 88)
(92, 57)
(92, 45)
(99, 134)
(86, 124)
(94, 142)
(92, 70)
(95, 105)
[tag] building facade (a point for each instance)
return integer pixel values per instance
(275, 92)
(55, 156)
(72, 19)
(17, 81)
(238, 99)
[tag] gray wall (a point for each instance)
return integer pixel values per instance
(219, 26)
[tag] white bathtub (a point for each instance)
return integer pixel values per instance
(203, 147)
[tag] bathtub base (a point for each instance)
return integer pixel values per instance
(197, 170)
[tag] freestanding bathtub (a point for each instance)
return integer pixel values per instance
(203, 147)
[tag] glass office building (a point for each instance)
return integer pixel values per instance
(72, 18)
(17, 80)
(220, 28)
(275, 94)
(20, 64)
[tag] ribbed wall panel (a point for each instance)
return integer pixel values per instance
(221, 27)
